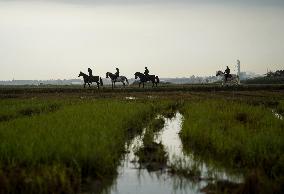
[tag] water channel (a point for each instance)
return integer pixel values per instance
(134, 179)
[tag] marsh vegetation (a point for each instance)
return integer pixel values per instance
(238, 135)
(72, 142)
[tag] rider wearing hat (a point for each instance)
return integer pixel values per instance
(227, 73)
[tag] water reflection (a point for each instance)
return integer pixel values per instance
(277, 115)
(142, 181)
(133, 179)
(130, 98)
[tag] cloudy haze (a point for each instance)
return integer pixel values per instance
(174, 38)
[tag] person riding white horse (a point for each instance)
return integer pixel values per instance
(227, 73)
(115, 77)
(228, 78)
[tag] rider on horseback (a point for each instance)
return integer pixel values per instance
(227, 73)
(117, 73)
(90, 72)
(146, 72)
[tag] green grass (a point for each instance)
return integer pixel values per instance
(280, 108)
(190, 170)
(152, 155)
(246, 135)
(16, 108)
(81, 140)
(237, 134)
(54, 144)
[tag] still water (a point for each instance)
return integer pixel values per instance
(133, 179)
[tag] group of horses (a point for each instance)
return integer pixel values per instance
(98, 80)
(232, 79)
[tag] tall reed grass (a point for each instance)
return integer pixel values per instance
(67, 145)
(238, 134)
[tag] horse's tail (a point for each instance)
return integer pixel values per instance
(101, 81)
(126, 80)
(158, 80)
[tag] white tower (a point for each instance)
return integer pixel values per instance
(239, 67)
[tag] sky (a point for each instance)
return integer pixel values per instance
(56, 39)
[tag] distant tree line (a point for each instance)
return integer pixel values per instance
(278, 73)
(276, 77)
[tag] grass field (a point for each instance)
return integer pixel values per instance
(54, 140)
(57, 149)
(238, 135)
(12, 109)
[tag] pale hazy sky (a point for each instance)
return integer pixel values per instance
(49, 39)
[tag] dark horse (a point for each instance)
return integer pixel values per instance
(89, 79)
(114, 79)
(143, 78)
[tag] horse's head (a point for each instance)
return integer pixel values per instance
(107, 74)
(219, 73)
(80, 74)
(137, 74)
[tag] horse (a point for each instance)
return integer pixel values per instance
(89, 79)
(143, 78)
(232, 78)
(114, 79)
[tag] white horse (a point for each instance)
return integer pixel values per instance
(233, 79)
(114, 79)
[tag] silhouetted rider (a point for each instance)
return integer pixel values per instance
(116, 73)
(90, 72)
(227, 73)
(146, 72)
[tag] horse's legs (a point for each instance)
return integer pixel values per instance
(143, 84)
(139, 84)
(89, 84)
(84, 85)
